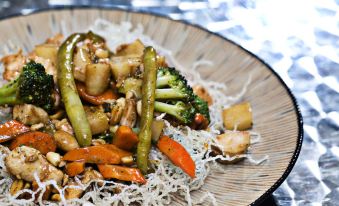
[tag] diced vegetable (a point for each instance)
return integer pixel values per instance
(97, 78)
(95, 154)
(122, 173)
(157, 126)
(238, 116)
(108, 95)
(74, 168)
(234, 142)
(69, 94)
(134, 48)
(11, 129)
(148, 96)
(47, 51)
(38, 140)
(125, 138)
(97, 119)
(123, 66)
(177, 154)
(65, 141)
(131, 84)
(81, 60)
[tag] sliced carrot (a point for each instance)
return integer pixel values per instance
(177, 154)
(121, 153)
(96, 100)
(93, 154)
(11, 129)
(74, 168)
(122, 173)
(38, 140)
(125, 138)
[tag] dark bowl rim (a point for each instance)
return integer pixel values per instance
(294, 158)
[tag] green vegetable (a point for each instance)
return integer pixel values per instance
(132, 84)
(74, 108)
(95, 37)
(172, 85)
(176, 98)
(183, 112)
(201, 107)
(148, 95)
(33, 86)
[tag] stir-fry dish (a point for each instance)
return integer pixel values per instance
(89, 123)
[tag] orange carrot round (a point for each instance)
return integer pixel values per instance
(125, 138)
(11, 129)
(122, 173)
(177, 154)
(38, 140)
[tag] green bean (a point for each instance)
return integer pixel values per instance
(69, 94)
(95, 37)
(148, 95)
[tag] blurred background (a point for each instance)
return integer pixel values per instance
(299, 39)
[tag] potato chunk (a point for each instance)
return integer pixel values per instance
(97, 120)
(135, 48)
(47, 51)
(238, 117)
(234, 142)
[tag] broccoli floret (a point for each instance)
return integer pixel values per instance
(33, 86)
(182, 111)
(172, 85)
(201, 106)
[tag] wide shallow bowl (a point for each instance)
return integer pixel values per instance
(275, 112)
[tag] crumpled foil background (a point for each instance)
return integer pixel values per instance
(299, 39)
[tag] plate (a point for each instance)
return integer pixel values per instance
(275, 111)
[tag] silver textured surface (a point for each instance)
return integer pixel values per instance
(300, 40)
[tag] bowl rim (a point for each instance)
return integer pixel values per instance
(296, 107)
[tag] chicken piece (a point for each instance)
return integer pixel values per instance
(234, 142)
(24, 161)
(13, 65)
(203, 94)
(57, 39)
(63, 125)
(30, 114)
